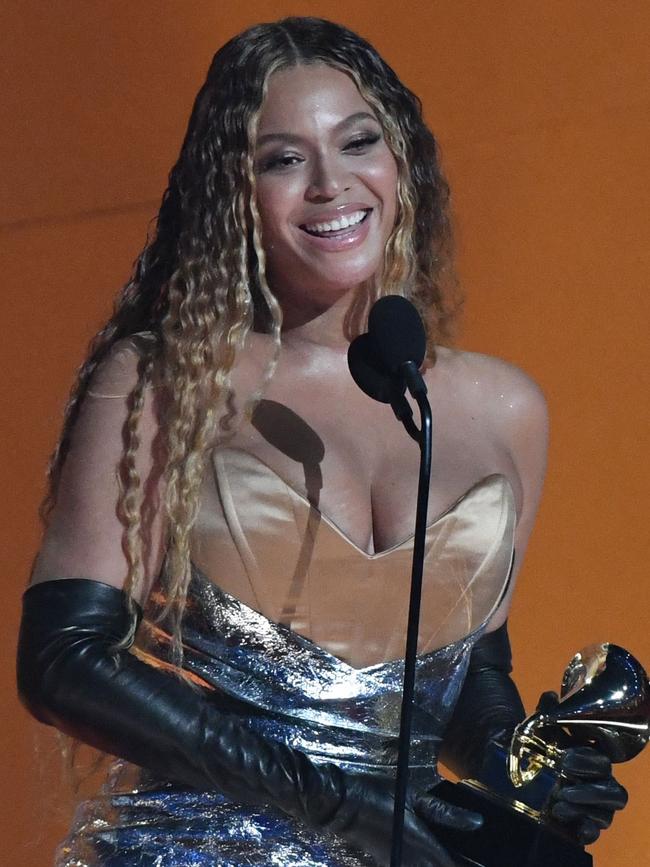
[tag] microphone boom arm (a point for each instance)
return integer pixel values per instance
(423, 436)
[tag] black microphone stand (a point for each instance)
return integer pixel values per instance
(423, 436)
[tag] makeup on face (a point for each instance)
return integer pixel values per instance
(326, 183)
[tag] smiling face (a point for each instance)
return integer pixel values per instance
(326, 186)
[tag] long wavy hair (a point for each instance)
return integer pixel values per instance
(199, 285)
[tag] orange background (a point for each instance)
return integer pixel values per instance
(541, 107)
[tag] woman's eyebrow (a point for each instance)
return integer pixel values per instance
(353, 118)
(291, 138)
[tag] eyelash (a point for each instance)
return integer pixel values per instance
(286, 161)
(363, 141)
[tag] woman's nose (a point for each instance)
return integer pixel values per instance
(328, 179)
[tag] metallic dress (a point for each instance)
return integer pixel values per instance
(301, 633)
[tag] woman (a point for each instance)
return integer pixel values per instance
(262, 545)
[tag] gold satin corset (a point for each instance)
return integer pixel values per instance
(265, 544)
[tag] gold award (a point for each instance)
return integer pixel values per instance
(604, 703)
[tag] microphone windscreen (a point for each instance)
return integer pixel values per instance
(364, 369)
(397, 332)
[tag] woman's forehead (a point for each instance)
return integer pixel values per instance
(298, 94)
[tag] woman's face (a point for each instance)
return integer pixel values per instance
(326, 186)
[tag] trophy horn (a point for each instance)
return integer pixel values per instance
(604, 702)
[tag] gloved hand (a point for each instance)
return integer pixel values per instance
(586, 795)
(488, 709)
(366, 820)
(70, 676)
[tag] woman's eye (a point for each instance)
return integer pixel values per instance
(362, 142)
(280, 161)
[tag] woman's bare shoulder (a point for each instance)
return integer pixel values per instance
(495, 384)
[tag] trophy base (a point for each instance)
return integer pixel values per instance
(512, 834)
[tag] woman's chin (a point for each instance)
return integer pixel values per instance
(320, 290)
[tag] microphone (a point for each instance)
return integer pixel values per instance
(397, 333)
(387, 359)
(368, 372)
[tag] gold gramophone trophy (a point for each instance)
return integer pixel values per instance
(604, 703)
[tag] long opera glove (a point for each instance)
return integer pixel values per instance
(488, 708)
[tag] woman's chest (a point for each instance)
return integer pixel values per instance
(354, 463)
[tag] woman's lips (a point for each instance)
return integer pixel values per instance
(339, 239)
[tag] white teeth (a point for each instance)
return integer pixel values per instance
(342, 222)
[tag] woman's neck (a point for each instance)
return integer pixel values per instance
(333, 326)
(314, 324)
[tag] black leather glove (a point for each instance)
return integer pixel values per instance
(70, 676)
(586, 795)
(366, 819)
(488, 708)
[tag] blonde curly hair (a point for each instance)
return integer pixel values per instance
(199, 286)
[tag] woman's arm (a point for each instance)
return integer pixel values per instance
(517, 416)
(489, 706)
(84, 537)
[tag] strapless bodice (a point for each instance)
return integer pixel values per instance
(268, 546)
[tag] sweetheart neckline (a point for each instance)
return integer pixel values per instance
(375, 555)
